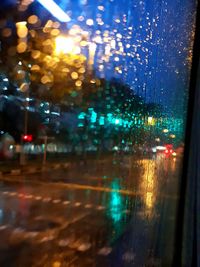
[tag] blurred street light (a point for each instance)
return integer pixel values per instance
(151, 121)
(173, 136)
(66, 45)
(165, 131)
(22, 32)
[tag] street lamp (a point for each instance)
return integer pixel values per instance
(22, 33)
(151, 121)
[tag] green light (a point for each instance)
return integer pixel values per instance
(74, 94)
(117, 121)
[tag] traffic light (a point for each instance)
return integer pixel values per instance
(27, 138)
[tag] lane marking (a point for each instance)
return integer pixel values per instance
(105, 251)
(56, 201)
(128, 256)
(31, 234)
(88, 206)
(29, 196)
(66, 202)
(77, 204)
(77, 186)
(100, 207)
(38, 197)
(18, 230)
(46, 199)
(83, 247)
(3, 227)
(78, 218)
(46, 239)
(63, 242)
(13, 194)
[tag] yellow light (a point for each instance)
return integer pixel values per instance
(33, 19)
(151, 121)
(21, 24)
(21, 47)
(149, 184)
(46, 79)
(74, 75)
(35, 54)
(22, 30)
(47, 42)
(65, 70)
(6, 32)
(35, 68)
(81, 70)
(24, 87)
(149, 200)
(55, 32)
(64, 45)
(83, 43)
(78, 83)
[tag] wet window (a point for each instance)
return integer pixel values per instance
(93, 104)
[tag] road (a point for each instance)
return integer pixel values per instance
(106, 217)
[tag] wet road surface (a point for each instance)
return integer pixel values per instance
(42, 224)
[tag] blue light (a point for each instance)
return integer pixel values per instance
(55, 10)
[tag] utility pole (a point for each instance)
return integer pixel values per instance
(45, 138)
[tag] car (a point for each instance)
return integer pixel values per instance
(168, 150)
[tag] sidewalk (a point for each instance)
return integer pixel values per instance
(36, 166)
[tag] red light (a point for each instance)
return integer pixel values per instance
(169, 146)
(28, 138)
(166, 151)
(171, 150)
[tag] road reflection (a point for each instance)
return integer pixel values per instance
(117, 218)
(149, 183)
(116, 203)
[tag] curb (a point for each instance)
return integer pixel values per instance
(33, 170)
(15, 172)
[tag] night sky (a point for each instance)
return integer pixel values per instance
(146, 43)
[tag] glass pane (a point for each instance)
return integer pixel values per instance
(93, 101)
